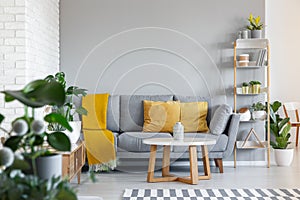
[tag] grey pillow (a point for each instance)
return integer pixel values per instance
(219, 121)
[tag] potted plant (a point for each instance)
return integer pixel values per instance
(28, 134)
(280, 128)
(69, 108)
(255, 85)
(245, 88)
(255, 26)
(258, 111)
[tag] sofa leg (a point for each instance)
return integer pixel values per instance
(219, 164)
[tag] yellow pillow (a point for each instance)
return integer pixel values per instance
(160, 116)
(193, 116)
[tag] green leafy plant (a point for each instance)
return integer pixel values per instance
(29, 139)
(254, 23)
(258, 107)
(255, 83)
(245, 84)
(68, 109)
(20, 187)
(279, 127)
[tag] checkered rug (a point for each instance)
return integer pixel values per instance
(214, 194)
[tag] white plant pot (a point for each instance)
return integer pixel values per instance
(259, 115)
(284, 157)
(75, 134)
(246, 116)
(49, 166)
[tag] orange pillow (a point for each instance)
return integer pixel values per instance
(160, 116)
(193, 116)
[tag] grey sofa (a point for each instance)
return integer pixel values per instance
(125, 119)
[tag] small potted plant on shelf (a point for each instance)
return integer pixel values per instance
(28, 145)
(255, 26)
(255, 85)
(69, 108)
(258, 111)
(245, 88)
(280, 128)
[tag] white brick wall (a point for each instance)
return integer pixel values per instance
(29, 46)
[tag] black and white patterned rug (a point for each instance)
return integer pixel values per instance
(214, 194)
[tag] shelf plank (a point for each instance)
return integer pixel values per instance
(251, 145)
(252, 43)
(253, 121)
(251, 67)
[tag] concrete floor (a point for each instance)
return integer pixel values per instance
(110, 186)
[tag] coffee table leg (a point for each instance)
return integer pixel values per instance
(193, 164)
(205, 161)
(150, 177)
(166, 161)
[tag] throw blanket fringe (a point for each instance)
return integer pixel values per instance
(103, 167)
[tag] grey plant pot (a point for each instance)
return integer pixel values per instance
(256, 34)
(49, 166)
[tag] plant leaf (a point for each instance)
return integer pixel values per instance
(282, 123)
(1, 118)
(51, 93)
(32, 86)
(59, 119)
(81, 111)
(13, 142)
(59, 141)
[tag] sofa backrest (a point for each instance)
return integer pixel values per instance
(113, 113)
(132, 110)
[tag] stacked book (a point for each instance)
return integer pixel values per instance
(261, 57)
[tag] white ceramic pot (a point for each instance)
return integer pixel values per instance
(246, 116)
(49, 166)
(259, 115)
(284, 157)
(75, 134)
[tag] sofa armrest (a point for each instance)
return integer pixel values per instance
(232, 132)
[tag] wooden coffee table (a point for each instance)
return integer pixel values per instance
(192, 143)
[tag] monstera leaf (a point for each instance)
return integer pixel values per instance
(38, 94)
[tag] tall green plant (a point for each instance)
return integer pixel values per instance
(279, 127)
(68, 109)
(28, 138)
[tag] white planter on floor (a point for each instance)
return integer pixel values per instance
(75, 134)
(284, 157)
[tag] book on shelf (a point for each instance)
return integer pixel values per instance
(261, 57)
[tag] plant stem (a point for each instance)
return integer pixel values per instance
(34, 166)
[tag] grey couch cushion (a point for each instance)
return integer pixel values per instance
(133, 141)
(220, 119)
(195, 99)
(113, 113)
(132, 110)
(221, 144)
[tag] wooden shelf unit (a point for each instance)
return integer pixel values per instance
(244, 44)
(73, 161)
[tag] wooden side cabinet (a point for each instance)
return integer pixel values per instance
(73, 161)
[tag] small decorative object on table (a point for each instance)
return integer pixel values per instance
(255, 26)
(178, 131)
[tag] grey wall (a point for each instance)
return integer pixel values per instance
(155, 46)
